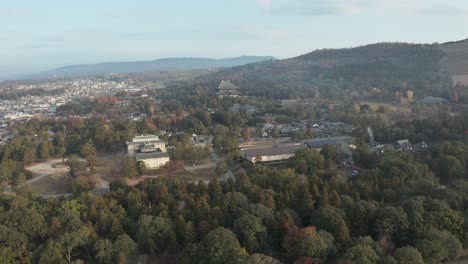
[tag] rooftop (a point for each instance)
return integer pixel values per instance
(227, 85)
(322, 142)
(152, 155)
(273, 150)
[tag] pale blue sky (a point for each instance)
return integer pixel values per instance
(37, 35)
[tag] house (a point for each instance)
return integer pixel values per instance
(404, 145)
(271, 153)
(149, 149)
(227, 89)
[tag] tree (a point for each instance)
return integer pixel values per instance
(307, 242)
(221, 168)
(262, 259)
(103, 250)
(14, 246)
(362, 254)
(389, 220)
(59, 142)
(437, 246)
(154, 233)
(219, 246)
(89, 153)
(52, 254)
(448, 168)
(123, 247)
(408, 255)
(129, 168)
(141, 167)
(308, 161)
(247, 134)
(332, 220)
(71, 240)
(73, 163)
(44, 150)
(251, 232)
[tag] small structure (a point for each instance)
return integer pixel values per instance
(404, 145)
(271, 153)
(288, 103)
(249, 109)
(149, 149)
(227, 89)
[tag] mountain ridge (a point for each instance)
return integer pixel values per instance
(183, 63)
(390, 67)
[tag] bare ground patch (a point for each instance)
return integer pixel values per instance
(52, 184)
(108, 165)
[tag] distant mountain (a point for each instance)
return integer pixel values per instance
(147, 66)
(427, 69)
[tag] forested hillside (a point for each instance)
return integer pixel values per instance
(342, 73)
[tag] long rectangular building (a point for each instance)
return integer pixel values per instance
(271, 153)
(319, 143)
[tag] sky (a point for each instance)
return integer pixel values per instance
(40, 35)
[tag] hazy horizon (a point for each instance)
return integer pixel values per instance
(39, 36)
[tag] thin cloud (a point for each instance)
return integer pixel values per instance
(359, 7)
(265, 3)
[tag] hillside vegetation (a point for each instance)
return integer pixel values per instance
(426, 69)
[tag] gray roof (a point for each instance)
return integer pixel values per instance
(433, 100)
(247, 108)
(152, 155)
(322, 142)
(274, 150)
(145, 142)
(227, 85)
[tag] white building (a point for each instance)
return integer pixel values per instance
(149, 149)
(271, 153)
(153, 160)
(143, 143)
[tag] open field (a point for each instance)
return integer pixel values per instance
(48, 167)
(108, 165)
(52, 184)
(50, 177)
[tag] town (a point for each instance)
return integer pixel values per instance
(234, 132)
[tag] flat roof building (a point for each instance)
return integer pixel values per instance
(319, 143)
(271, 153)
(149, 149)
